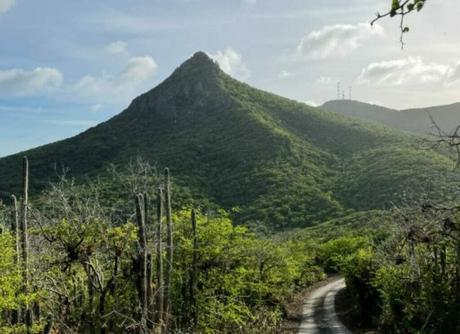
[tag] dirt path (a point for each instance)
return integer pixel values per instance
(319, 316)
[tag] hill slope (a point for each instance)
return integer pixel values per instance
(282, 163)
(414, 120)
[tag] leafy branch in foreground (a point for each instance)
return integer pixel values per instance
(401, 8)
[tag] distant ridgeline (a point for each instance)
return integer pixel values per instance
(419, 121)
(270, 160)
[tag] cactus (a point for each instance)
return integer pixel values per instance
(36, 311)
(457, 269)
(194, 271)
(15, 231)
(25, 239)
(15, 226)
(49, 324)
(90, 288)
(142, 256)
(159, 279)
(149, 263)
(169, 248)
(150, 302)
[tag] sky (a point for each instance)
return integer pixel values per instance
(67, 65)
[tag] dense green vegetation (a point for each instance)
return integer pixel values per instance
(401, 267)
(412, 278)
(84, 261)
(97, 261)
(103, 249)
(86, 274)
(270, 162)
(406, 175)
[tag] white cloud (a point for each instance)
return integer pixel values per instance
(130, 81)
(19, 82)
(311, 103)
(285, 74)
(340, 39)
(124, 85)
(454, 72)
(117, 47)
(231, 63)
(5, 5)
(409, 71)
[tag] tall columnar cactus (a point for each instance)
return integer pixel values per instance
(443, 261)
(25, 237)
(149, 271)
(15, 231)
(150, 303)
(169, 248)
(49, 324)
(142, 258)
(457, 273)
(159, 307)
(194, 272)
(146, 209)
(15, 226)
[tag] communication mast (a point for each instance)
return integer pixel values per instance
(338, 90)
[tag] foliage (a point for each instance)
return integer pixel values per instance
(9, 275)
(84, 264)
(412, 277)
(405, 174)
(401, 8)
(336, 252)
(269, 161)
(12, 296)
(243, 279)
(359, 274)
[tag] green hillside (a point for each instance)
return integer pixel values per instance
(418, 120)
(276, 162)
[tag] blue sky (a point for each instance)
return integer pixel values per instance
(68, 65)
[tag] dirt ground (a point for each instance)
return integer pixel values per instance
(294, 308)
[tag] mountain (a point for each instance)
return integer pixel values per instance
(414, 120)
(273, 161)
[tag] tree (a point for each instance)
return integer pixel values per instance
(401, 8)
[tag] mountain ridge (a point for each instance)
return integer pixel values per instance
(270, 160)
(415, 120)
